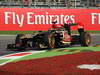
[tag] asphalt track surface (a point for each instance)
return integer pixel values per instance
(9, 39)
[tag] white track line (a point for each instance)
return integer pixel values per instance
(15, 58)
(89, 66)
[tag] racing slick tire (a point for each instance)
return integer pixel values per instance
(75, 40)
(19, 42)
(40, 44)
(51, 41)
(46, 41)
(85, 39)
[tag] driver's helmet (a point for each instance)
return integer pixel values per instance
(57, 26)
(80, 25)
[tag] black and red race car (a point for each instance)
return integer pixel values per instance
(57, 36)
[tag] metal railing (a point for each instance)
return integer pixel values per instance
(68, 4)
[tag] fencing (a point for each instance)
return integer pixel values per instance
(51, 3)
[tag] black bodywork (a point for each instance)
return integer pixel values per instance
(51, 38)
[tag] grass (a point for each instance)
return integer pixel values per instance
(60, 51)
(33, 32)
(56, 52)
(4, 60)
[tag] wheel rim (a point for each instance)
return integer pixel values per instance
(40, 44)
(88, 40)
(52, 41)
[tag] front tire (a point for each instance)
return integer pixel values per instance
(19, 42)
(85, 39)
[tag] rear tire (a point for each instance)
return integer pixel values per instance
(51, 41)
(85, 39)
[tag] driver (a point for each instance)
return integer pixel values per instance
(56, 26)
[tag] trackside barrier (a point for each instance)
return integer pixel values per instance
(28, 19)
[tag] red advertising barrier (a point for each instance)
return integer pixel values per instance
(28, 19)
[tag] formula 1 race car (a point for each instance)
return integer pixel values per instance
(58, 36)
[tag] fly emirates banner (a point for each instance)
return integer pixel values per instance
(29, 19)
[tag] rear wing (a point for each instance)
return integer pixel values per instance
(80, 27)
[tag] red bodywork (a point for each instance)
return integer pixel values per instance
(80, 25)
(67, 37)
